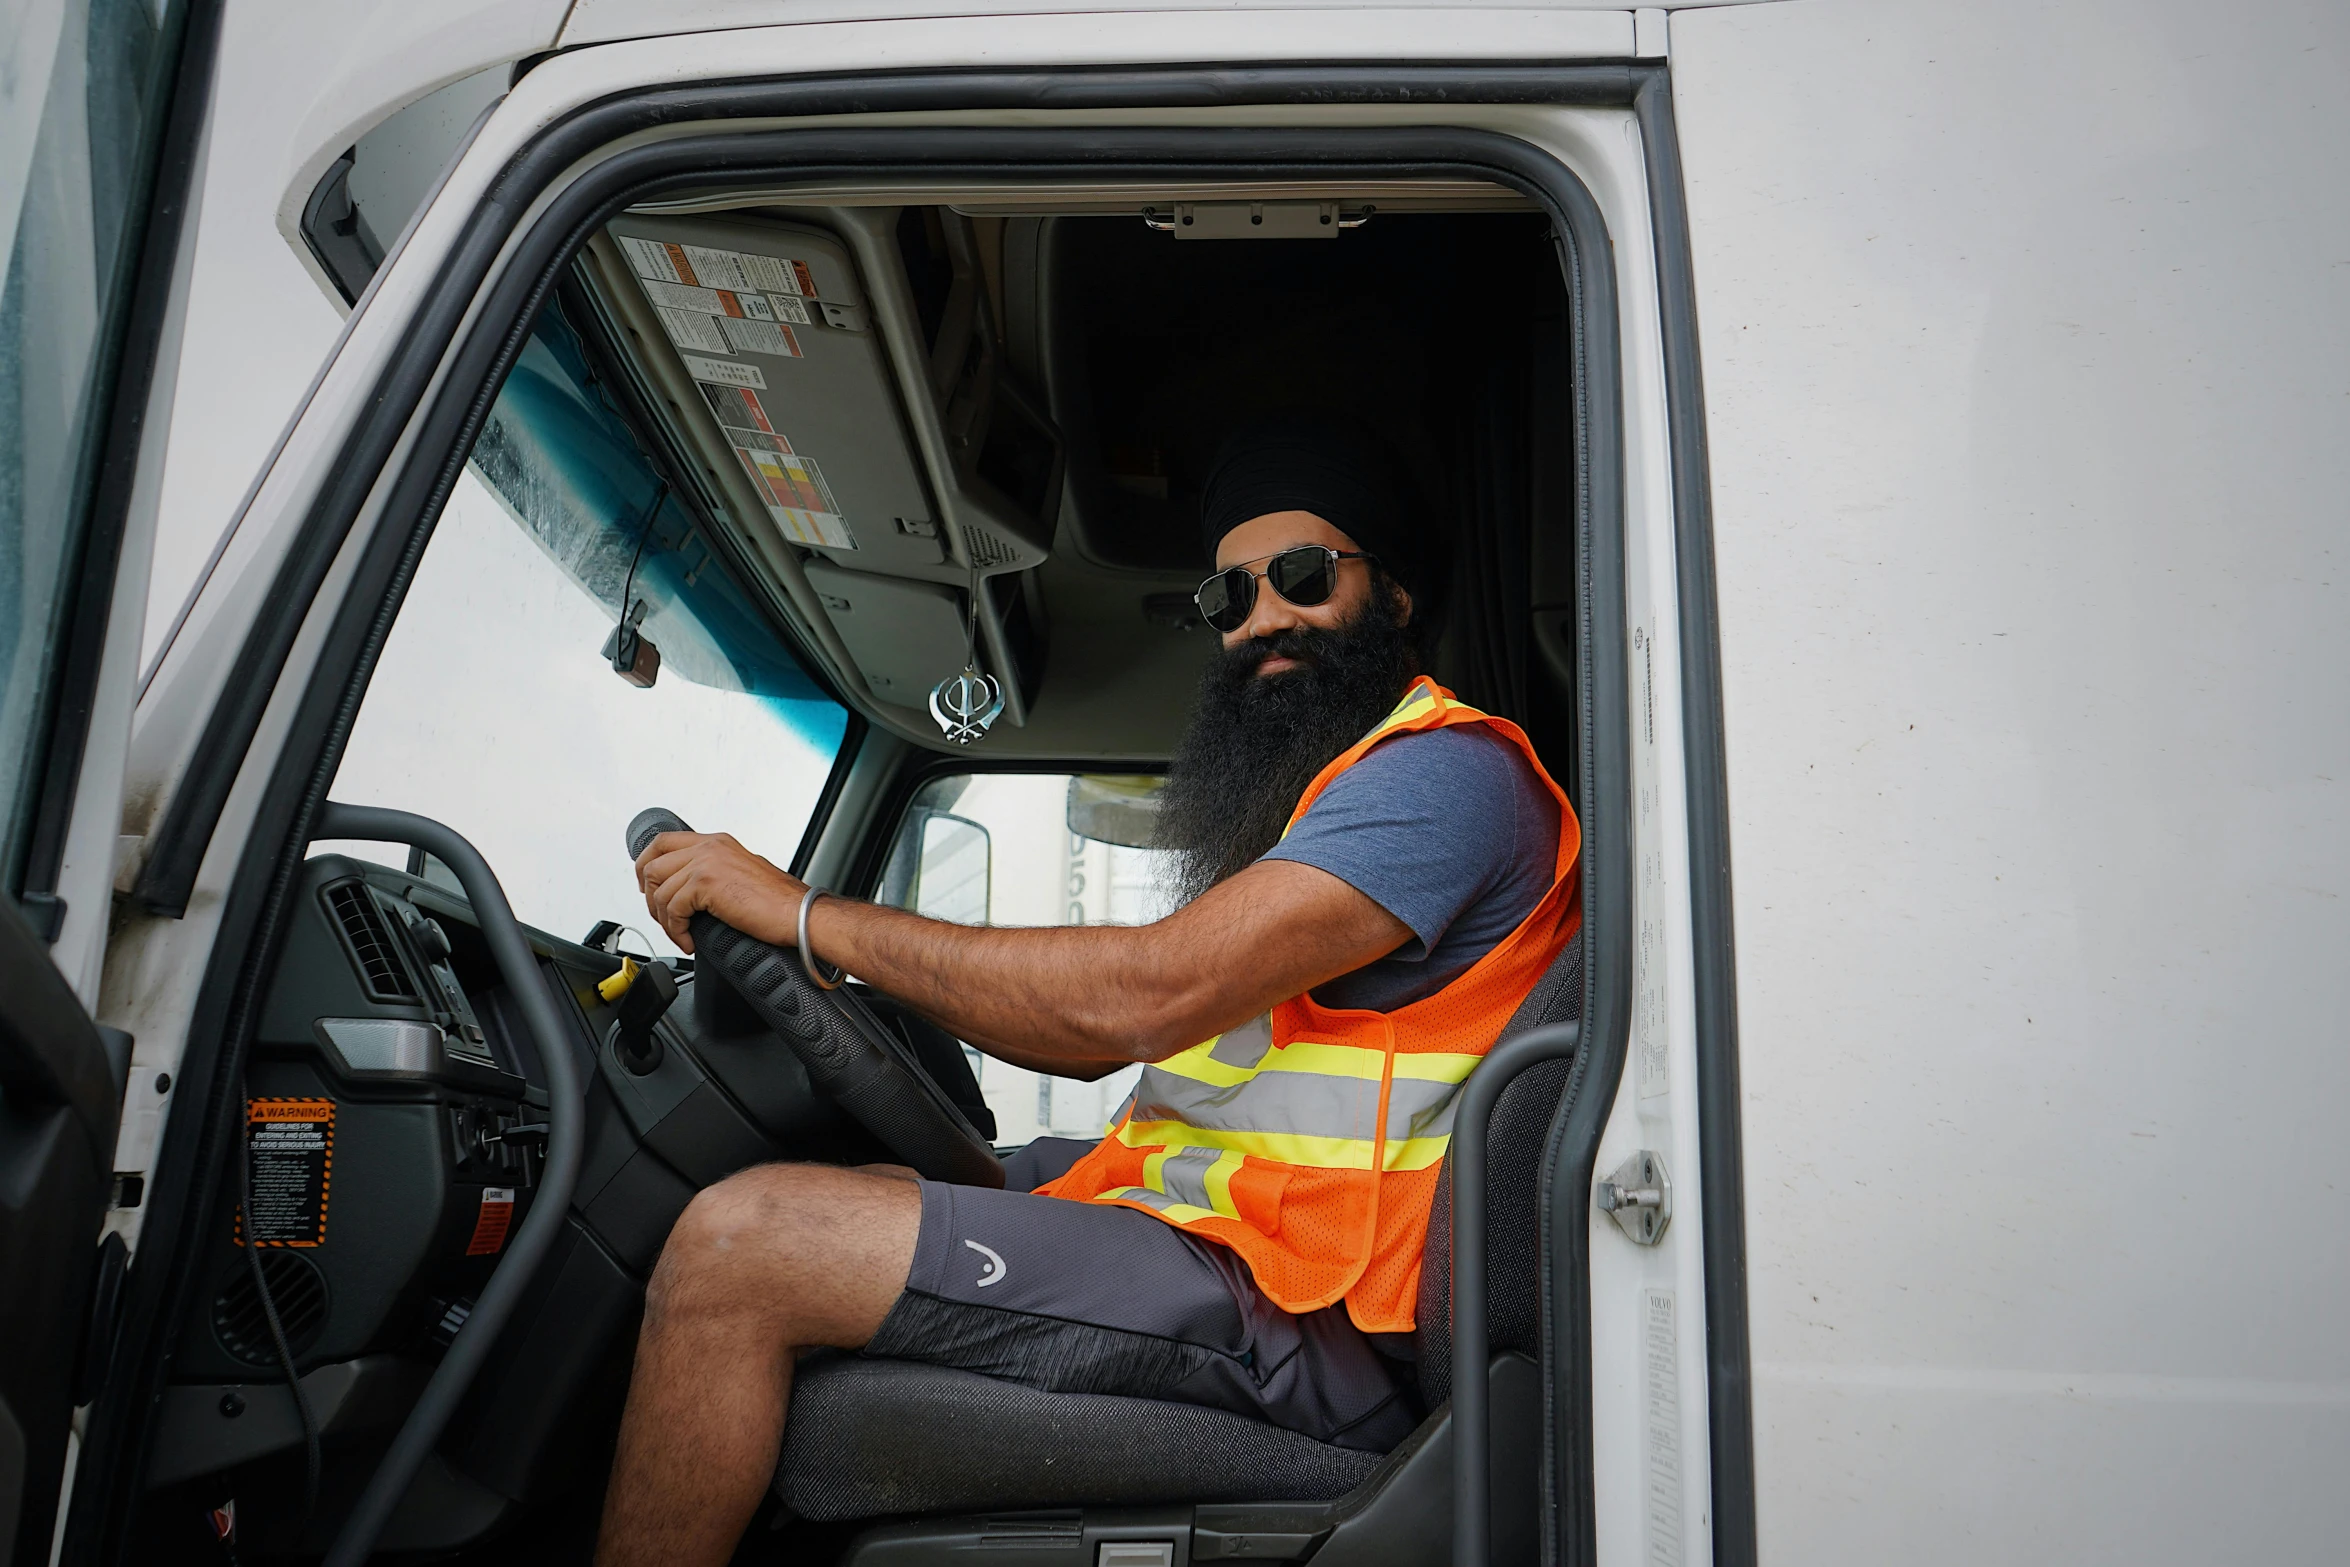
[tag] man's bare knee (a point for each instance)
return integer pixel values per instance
(811, 1251)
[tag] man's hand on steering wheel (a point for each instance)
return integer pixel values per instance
(684, 873)
(1078, 1000)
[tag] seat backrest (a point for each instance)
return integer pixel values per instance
(1513, 1213)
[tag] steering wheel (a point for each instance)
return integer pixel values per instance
(849, 1053)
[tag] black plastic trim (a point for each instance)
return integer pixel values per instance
(133, 357)
(836, 779)
(1472, 1450)
(1721, 1152)
(337, 233)
(189, 1163)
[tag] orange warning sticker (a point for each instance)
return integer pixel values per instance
(291, 1143)
(490, 1226)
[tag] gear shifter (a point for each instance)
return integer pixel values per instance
(651, 995)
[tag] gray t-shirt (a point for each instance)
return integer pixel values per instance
(1449, 830)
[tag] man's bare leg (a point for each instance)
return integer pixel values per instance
(775, 1260)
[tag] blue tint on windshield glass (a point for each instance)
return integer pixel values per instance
(573, 475)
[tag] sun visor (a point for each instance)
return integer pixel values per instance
(774, 333)
(903, 635)
(846, 428)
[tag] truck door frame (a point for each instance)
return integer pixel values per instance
(61, 1076)
(494, 232)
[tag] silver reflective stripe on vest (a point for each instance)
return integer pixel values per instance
(1306, 1103)
(1246, 1045)
(1416, 1108)
(1184, 1174)
(1148, 1198)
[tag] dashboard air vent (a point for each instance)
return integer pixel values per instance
(299, 1292)
(370, 939)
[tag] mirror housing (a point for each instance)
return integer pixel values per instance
(1119, 808)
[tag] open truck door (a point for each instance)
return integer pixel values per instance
(512, 335)
(100, 127)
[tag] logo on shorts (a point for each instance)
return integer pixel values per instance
(995, 1264)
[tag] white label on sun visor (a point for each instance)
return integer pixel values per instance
(788, 309)
(797, 497)
(759, 337)
(817, 529)
(769, 275)
(650, 261)
(690, 329)
(683, 296)
(717, 268)
(724, 372)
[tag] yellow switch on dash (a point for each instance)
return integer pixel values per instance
(615, 984)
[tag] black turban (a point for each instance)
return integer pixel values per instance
(1343, 474)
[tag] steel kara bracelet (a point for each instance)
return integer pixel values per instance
(807, 958)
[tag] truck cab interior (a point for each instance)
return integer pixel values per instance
(766, 468)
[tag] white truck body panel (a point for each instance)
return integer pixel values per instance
(2025, 373)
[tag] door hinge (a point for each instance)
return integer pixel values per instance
(1639, 1197)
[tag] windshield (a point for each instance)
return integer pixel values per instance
(496, 707)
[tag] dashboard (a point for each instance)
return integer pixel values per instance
(396, 1128)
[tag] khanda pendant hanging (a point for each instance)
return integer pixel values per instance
(964, 705)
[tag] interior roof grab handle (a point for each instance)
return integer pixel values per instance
(565, 1117)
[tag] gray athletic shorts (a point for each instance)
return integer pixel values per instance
(1081, 1297)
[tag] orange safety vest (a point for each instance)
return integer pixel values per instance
(1309, 1139)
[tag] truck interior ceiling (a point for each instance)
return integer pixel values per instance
(825, 450)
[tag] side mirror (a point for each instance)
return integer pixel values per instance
(1116, 808)
(953, 876)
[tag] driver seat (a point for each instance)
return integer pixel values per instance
(880, 1439)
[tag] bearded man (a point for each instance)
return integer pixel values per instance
(1375, 876)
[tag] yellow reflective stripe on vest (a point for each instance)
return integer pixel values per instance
(1328, 1153)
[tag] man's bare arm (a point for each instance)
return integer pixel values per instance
(1078, 1001)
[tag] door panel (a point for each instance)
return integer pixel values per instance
(89, 115)
(59, 1090)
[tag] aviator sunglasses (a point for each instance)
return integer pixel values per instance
(1305, 575)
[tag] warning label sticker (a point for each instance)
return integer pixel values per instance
(649, 260)
(759, 337)
(796, 495)
(787, 277)
(738, 408)
(717, 268)
(725, 372)
(724, 301)
(690, 329)
(292, 1144)
(684, 296)
(495, 1219)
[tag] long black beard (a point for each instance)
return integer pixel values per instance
(1255, 743)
